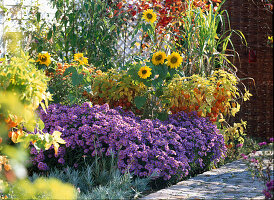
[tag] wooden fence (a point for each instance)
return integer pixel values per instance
(256, 61)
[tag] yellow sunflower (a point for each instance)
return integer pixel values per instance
(158, 58)
(149, 15)
(44, 59)
(144, 72)
(80, 58)
(174, 60)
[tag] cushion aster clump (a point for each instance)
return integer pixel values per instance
(141, 146)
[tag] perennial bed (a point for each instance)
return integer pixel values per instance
(183, 143)
(112, 99)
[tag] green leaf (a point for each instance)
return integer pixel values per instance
(38, 16)
(156, 82)
(145, 27)
(162, 116)
(49, 34)
(133, 43)
(70, 70)
(41, 124)
(54, 28)
(159, 91)
(140, 101)
(112, 28)
(162, 70)
(40, 49)
(75, 79)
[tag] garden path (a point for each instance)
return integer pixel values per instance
(231, 181)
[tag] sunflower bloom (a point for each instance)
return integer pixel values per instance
(44, 59)
(174, 60)
(144, 72)
(158, 58)
(149, 15)
(80, 58)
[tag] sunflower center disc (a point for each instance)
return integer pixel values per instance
(144, 71)
(159, 57)
(149, 16)
(43, 58)
(173, 60)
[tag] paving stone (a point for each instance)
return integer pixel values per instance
(181, 187)
(257, 198)
(231, 181)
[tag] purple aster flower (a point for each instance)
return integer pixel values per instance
(61, 161)
(267, 194)
(239, 145)
(33, 151)
(244, 156)
(262, 143)
(42, 166)
(142, 146)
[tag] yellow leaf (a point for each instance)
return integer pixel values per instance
(56, 137)
(48, 145)
(247, 95)
(221, 120)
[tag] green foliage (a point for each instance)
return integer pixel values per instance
(204, 39)
(78, 29)
(19, 75)
(15, 158)
(97, 182)
(116, 88)
(260, 164)
(42, 189)
(69, 87)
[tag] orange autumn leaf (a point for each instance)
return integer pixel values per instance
(10, 123)
(120, 5)
(14, 135)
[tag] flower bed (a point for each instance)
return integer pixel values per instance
(171, 147)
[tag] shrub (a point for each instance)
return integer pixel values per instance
(19, 75)
(112, 184)
(260, 165)
(141, 146)
(69, 82)
(116, 88)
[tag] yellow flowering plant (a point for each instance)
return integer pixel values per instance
(116, 89)
(20, 76)
(210, 97)
(149, 16)
(174, 60)
(43, 188)
(13, 181)
(79, 57)
(158, 58)
(154, 74)
(44, 59)
(144, 72)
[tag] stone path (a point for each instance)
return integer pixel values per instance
(231, 181)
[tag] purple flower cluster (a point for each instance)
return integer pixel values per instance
(268, 192)
(141, 146)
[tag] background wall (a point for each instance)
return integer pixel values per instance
(256, 61)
